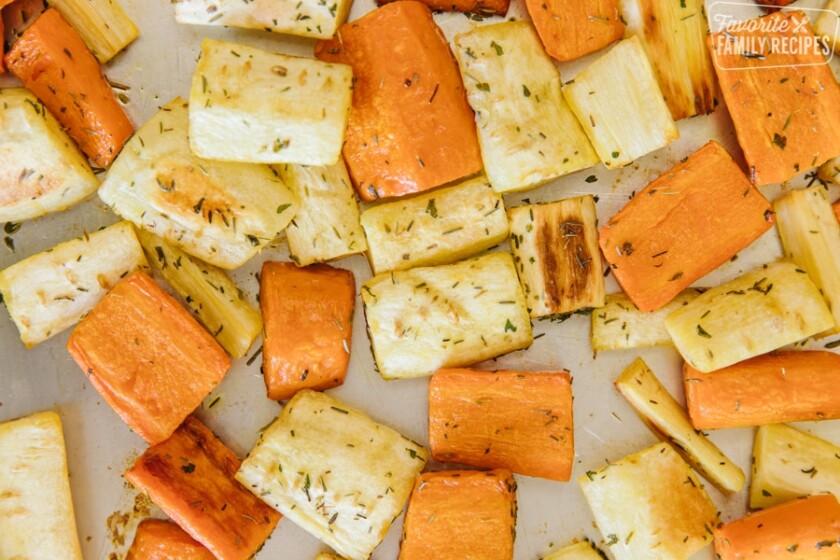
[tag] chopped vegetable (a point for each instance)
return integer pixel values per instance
(825, 25)
(102, 24)
(570, 29)
(830, 171)
(156, 539)
(579, 551)
(474, 9)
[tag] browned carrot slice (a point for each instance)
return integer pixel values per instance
(769, 389)
(308, 317)
(806, 528)
(481, 7)
(190, 477)
(570, 29)
(147, 356)
(55, 64)
(156, 539)
(460, 514)
(410, 127)
(682, 226)
(521, 421)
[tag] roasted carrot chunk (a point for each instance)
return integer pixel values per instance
(190, 477)
(769, 389)
(481, 7)
(156, 539)
(507, 419)
(410, 126)
(55, 64)
(308, 317)
(570, 29)
(147, 356)
(682, 226)
(804, 528)
(461, 514)
(784, 101)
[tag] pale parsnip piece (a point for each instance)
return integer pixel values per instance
(327, 556)
(669, 421)
(826, 25)
(221, 212)
(255, 106)
(326, 225)
(36, 510)
(811, 237)
(41, 169)
(52, 291)
(789, 463)
(620, 105)
(527, 132)
(440, 227)
(102, 24)
(650, 506)
(760, 311)
(555, 248)
(619, 325)
(334, 472)
(578, 551)
(311, 18)
(424, 319)
(830, 171)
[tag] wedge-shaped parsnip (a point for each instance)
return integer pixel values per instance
(334, 472)
(311, 18)
(811, 237)
(436, 228)
(326, 225)
(668, 420)
(789, 463)
(619, 325)
(528, 134)
(650, 506)
(327, 556)
(208, 292)
(424, 319)
(555, 248)
(674, 37)
(102, 24)
(51, 291)
(41, 170)
(620, 105)
(826, 25)
(36, 511)
(220, 212)
(830, 171)
(761, 311)
(578, 551)
(255, 106)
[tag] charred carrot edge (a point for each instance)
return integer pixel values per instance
(765, 93)
(570, 29)
(156, 539)
(442, 508)
(480, 7)
(770, 389)
(402, 65)
(521, 421)
(308, 318)
(147, 356)
(53, 62)
(190, 477)
(682, 226)
(803, 528)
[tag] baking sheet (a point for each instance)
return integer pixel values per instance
(100, 446)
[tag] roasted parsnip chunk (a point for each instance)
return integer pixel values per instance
(826, 25)
(220, 212)
(102, 24)
(830, 171)
(334, 472)
(555, 248)
(435, 228)
(579, 551)
(424, 319)
(54, 290)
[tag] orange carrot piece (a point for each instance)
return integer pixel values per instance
(461, 514)
(147, 356)
(156, 539)
(767, 91)
(770, 389)
(308, 318)
(19, 15)
(520, 421)
(481, 7)
(410, 127)
(54, 63)
(570, 29)
(682, 226)
(773, 5)
(797, 530)
(190, 477)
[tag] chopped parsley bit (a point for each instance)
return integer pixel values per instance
(497, 47)
(702, 332)
(188, 468)
(525, 91)
(482, 86)
(779, 140)
(591, 179)
(431, 209)
(510, 326)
